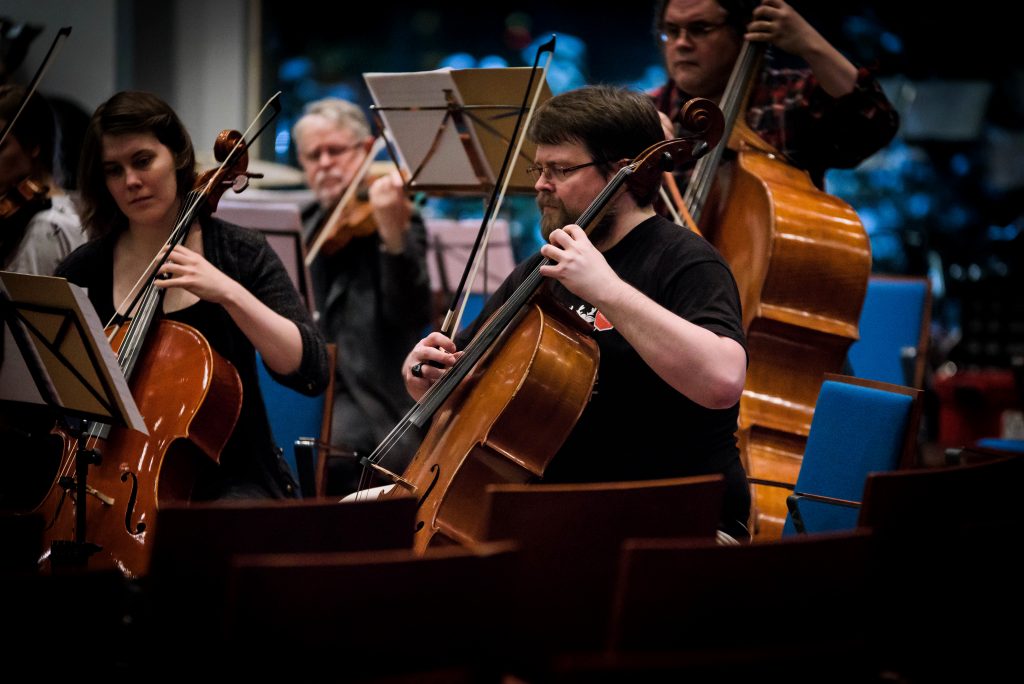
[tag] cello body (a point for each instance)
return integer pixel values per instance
(190, 398)
(503, 424)
(801, 259)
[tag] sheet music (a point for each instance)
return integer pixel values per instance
(492, 98)
(415, 131)
(65, 299)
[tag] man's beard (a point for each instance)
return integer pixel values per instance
(329, 186)
(561, 217)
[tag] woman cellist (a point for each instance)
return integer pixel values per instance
(137, 166)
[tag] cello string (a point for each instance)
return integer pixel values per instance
(492, 214)
(440, 390)
(500, 320)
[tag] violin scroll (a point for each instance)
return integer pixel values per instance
(232, 152)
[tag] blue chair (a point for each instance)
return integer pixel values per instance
(893, 331)
(1010, 445)
(859, 426)
(294, 417)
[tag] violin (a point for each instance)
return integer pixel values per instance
(28, 195)
(352, 216)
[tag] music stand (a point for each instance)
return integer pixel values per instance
(448, 129)
(53, 352)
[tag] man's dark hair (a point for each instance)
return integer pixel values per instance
(34, 129)
(738, 14)
(613, 124)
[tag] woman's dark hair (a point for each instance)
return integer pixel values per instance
(34, 129)
(125, 113)
(612, 123)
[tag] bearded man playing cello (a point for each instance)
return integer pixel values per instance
(662, 303)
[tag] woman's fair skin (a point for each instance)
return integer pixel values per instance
(140, 175)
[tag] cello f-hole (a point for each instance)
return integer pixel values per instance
(436, 470)
(141, 527)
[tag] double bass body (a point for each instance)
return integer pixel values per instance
(801, 260)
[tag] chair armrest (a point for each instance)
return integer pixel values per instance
(769, 483)
(311, 457)
(793, 504)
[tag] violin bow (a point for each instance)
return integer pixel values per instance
(350, 191)
(458, 306)
(58, 40)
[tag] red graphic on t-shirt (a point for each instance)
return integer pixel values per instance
(601, 323)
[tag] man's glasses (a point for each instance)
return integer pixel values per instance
(554, 173)
(331, 150)
(696, 31)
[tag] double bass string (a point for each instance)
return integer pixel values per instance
(698, 189)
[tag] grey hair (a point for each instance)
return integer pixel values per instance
(341, 113)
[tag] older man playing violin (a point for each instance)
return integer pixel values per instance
(373, 293)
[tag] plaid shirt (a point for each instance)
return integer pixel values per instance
(815, 131)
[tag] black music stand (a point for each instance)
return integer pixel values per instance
(448, 130)
(53, 352)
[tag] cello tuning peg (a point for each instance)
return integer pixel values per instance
(699, 149)
(240, 183)
(667, 162)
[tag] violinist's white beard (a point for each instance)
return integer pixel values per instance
(328, 186)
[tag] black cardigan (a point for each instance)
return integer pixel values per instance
(249, 463)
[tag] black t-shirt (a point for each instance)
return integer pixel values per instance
(636, 426)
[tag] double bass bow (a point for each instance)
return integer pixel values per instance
(504, 409)
(189, 396)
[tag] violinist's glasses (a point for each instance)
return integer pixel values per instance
(332, 151)
(555, 173)
(696, 31)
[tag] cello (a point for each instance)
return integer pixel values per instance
(190, 397)
(528, 371)
(801, 259)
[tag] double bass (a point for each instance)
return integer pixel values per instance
(112, 480)
(504, 409)
(801, 259)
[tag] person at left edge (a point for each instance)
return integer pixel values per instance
(41, 232)
(136, 167)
